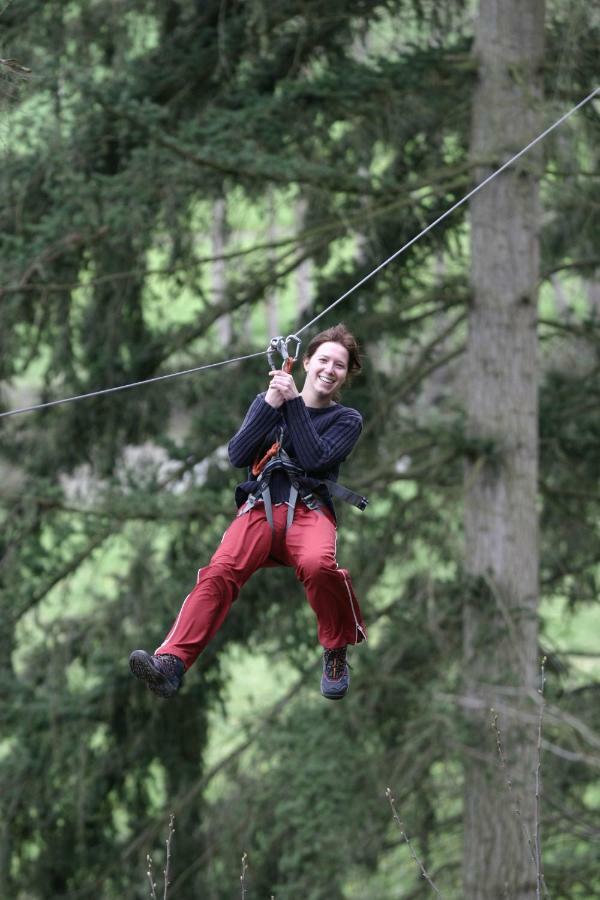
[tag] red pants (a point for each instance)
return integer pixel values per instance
(249, 544)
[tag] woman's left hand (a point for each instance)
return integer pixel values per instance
(283, 383)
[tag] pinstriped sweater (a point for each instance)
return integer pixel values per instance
(317, 439)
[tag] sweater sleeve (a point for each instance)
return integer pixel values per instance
(313, 450)
(260, 419)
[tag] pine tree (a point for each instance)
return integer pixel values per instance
(135, 125)
(501, 531)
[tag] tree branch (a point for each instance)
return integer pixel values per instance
(62, 573)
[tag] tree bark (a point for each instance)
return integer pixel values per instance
(272, 295)
(501, 527)
(304, 272)
(219, 277)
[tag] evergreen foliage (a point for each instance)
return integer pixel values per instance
(136, 120)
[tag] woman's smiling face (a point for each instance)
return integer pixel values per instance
(326, 372)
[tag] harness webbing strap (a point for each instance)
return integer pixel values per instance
(297, 489)
(293, 499)
(344, 493)
(266, 496)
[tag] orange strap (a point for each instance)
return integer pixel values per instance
(274, 449)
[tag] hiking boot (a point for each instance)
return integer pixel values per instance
(335, 679)
(163, 674)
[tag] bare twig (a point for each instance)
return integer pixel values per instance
(243, 875)
(538, 798)
(532, 843)
(166, 870)
(509, 784)
(150, 877)
(388, 794)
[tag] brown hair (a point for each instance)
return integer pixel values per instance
(339, 334)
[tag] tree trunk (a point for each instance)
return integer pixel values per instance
(219, 277)
(501, 529)
(272, 295)
(304, 270)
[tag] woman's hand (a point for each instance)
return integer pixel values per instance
(281, 388)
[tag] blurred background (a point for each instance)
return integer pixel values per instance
(180, 181)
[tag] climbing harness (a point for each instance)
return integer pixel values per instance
(301, 484)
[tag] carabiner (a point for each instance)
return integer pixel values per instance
(277, 345)
(283, 346)
(290, 339)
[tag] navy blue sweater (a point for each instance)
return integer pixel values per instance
(317, 439)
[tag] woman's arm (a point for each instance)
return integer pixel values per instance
(314, 451)
(260, 419)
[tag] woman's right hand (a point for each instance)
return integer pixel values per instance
(274, 397)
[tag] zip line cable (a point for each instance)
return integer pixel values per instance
(133, 384)
(444, 215)
(382, 265)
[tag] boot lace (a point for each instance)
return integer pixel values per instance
(335, 662)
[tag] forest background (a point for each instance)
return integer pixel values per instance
(181, 181)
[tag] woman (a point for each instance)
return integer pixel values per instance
(286, 517)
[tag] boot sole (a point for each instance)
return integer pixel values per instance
(333, 695)
(143, 668)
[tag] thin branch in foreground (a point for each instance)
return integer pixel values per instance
(539, 883)
(532, 844)
(166, 870)
(150, 877)
(509, 784)
(392, 802)
(243, 875)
